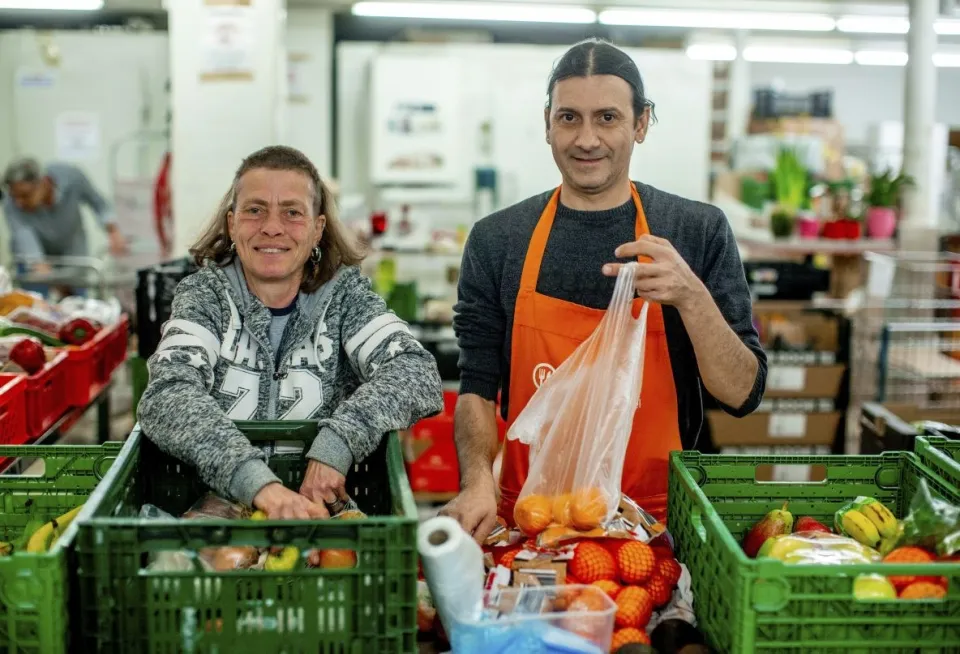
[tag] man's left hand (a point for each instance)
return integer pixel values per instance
(324, 485)
(667, 280)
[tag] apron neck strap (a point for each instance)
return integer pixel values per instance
(538, 242)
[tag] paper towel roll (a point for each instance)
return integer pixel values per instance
(453, 568)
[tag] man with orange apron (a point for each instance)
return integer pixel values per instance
(537, 277)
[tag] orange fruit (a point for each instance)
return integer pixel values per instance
(589, 508)
(587, 601)
(635, 561)
(562, 508)
(634, 607)
(565, 597)
(611, 588)
(670, 570)
(592, 563)
(628, 636)
(338, 559)
(660, 590)
(908, 555)
(533, 514)
(920, 590)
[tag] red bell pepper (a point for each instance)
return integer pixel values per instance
(77, 331)
(29, 355)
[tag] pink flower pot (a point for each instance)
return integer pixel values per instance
(881, 222)
(808, 227)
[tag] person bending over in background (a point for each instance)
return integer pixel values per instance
(42, 208)
(536, 278)
(279, 324)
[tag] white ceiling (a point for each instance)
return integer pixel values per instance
(784, 5)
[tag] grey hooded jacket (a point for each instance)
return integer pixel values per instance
(344, 360)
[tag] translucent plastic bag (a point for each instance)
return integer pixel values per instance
(579, 421)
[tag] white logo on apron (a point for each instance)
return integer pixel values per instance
(541, 372)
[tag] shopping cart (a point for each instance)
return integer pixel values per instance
(906, 332)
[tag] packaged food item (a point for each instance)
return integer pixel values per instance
(212, 505)
(221, 559)
(817, 547)
(578, 424)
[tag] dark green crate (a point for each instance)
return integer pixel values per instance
(125, 608)
(34, 588)
(748, 606)
(942, 455)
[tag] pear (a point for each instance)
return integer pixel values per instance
(776, 523)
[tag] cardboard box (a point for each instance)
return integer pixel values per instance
(790, 381)
(774, 429)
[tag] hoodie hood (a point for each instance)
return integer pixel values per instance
(306, 317)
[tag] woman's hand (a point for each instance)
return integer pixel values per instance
(324, 485)
(280, 503)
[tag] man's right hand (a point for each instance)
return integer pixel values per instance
(475, 508)
(42, 268)
(281, 503)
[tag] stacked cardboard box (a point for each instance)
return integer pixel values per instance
(803, 405)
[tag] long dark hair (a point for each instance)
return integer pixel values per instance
(599, 57)
(337, 243)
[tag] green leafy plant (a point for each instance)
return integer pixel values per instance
(789, 182)
(885, 188)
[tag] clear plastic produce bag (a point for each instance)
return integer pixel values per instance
(579, 421)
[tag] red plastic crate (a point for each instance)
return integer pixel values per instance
(92, 363)
(432, 456)
(46, 397)
(13, 409)
(431, 452)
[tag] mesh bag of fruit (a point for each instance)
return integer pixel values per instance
(578, 423)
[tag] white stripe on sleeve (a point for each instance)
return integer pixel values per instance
(369, 330)
(374, 341)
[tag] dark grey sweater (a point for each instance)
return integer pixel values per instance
(579, 244)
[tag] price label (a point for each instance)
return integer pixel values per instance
(788, 425)
(786, 378)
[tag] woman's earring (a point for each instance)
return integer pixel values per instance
(317, 255)
(233, 248)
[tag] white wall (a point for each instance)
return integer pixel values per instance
(507, 85)
(308, 124)
(862, 95)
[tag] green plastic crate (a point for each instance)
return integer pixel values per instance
(126, 608)
(940, 454)
(747, 606)
(34, 588)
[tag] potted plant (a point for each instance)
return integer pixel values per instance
(789, 179)
(883, 201)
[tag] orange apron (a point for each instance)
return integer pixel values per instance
(545, 332)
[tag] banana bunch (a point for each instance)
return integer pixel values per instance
(869, 522)
(44, 537)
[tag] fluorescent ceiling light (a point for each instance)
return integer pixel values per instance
(712, 52)
(947, 27)
(61, 5)
(892, 25)
(746, 20)
(790, 55)
(873, 24)
(880, 58)
(476, 11)
(947, 59)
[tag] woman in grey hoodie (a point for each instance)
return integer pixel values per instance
(279, 324)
